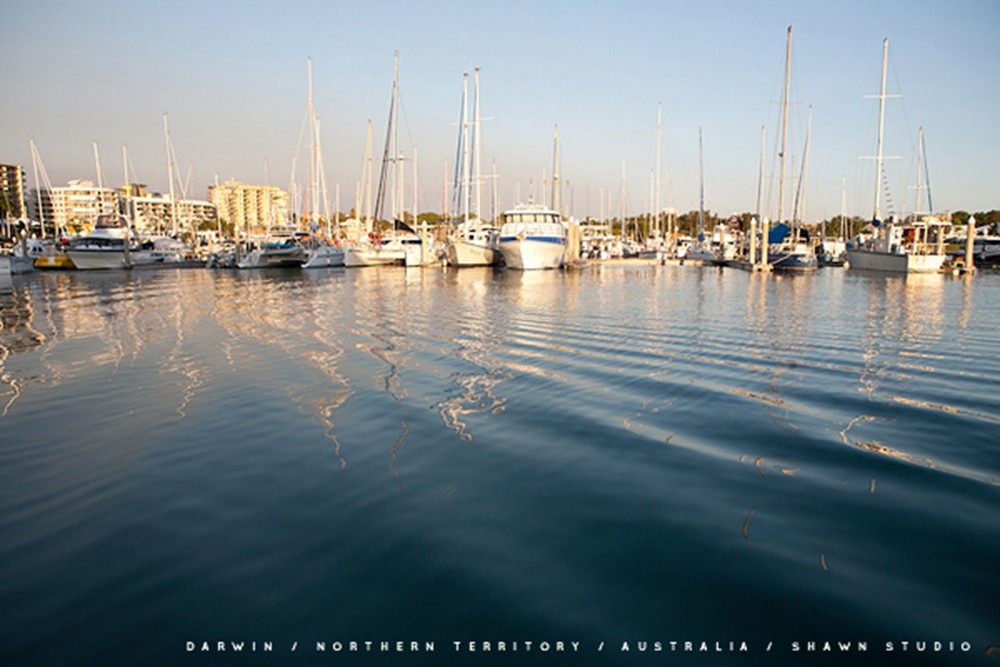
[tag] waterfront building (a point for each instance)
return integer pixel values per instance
(156, 214)
(12, 191)
(73, 208)
(249, 209)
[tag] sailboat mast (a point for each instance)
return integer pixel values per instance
(397, 198)
(496, 195)
(460, 199)
(760, 175)
(38, 186)
(784, 127)
(170, 175)
(843, 207)
(881, 129)
(366, 178)
(466, 208)
(555, 169)
(923, 177)
(799, 206)
(701, 191)
(126, 198)
(312, 194)
(477, 175)
(656, 181)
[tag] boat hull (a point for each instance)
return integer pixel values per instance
(465, 253)
(355, 257)
(94, 260)
(531, 253)
(269, 259)
(873, 260)
(51, 262)
(19, 264)
(794, 262)
(324, 257)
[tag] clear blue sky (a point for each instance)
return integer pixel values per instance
(232, 77)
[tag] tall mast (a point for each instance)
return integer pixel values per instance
(366, 177)
(312, 193)
(881, 129)
(799, 205)
(701, 191)
(35, 159)
(444, 191)
(843, 207)
(555, 169)
(656, 181)
(126, 198)
(397, 200)
(461, 186)
(784, 127)
(477, 175)
(923, 177)
(170, 174)
(496, 196)
(415, 203)
(760, 175)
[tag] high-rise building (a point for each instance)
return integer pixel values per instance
(249, 209)
(12, 202)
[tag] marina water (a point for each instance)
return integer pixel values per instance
(619, 465)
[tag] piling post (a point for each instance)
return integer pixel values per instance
(970, 242)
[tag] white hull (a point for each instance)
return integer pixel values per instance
(382, 256)
(91, 260)
(527, 254)
(324, 256)
(873, 260)
(20, 264)
(700, 254)
(265, 259)
(465, 253)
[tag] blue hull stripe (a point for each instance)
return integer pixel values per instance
(540, 239)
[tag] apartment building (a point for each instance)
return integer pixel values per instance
(247, 208)
(12, 192)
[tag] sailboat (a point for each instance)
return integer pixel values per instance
(701, 249)
(475, 242)
(789, 246)
(915, 246)
(320, 252)
(376, 250)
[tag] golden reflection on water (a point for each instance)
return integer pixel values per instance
(476, 342)
(255, 309)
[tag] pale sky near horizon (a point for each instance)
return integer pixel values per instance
(232, 78)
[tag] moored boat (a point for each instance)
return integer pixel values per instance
(914, 246)
(285, 252)
(105, 247)
(323, 255)
(532, 237)
(473, 245)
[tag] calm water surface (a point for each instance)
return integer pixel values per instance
(619, 457)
